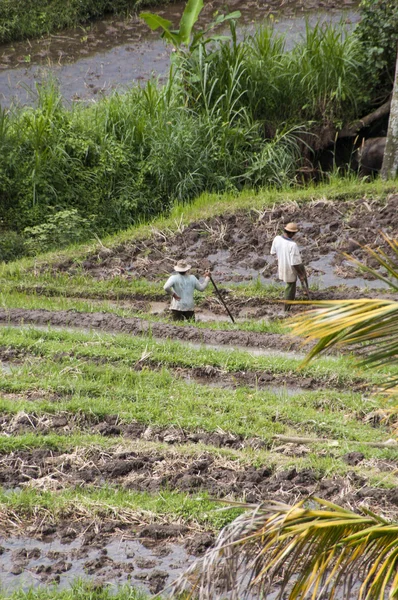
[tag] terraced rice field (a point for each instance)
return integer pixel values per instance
(121, 431)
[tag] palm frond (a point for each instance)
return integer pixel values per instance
(300, 553)
(363, 321)
(389, 264)
(372, 323)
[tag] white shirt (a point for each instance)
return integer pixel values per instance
(184, 286)
(288, 255)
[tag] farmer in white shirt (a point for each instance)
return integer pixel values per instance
(290, 265)
(181, 285)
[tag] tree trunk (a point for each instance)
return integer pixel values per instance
(389, 169)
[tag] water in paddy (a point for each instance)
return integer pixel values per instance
(113, 54)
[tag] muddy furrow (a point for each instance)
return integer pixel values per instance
(66, 424)
(110, 426)
(135, 326)
(152, 472)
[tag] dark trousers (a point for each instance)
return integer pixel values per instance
(183, 315)
(290, 293)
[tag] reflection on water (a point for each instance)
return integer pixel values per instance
(29, 563)
(115, 53)
(326, 276)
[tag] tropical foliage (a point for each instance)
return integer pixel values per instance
(229, 117)
(371, 323)
(377, 32)
(316, 549)
(184, 34)
(299, 552)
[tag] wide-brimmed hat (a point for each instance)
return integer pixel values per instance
(292, 227)
(182, 266)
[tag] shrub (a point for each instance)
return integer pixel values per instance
(12, 246)
(377, 32)
(62, 229)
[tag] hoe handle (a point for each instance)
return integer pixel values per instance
(222, 299)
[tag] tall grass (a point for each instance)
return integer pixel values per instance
(230, 116)
(21, 19)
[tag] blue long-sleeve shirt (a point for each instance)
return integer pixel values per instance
(184, 287)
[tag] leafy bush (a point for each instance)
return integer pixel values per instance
(377, 32)
(12, 246)
(62, 229)
(32, 18)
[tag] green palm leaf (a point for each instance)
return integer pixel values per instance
(310, 552)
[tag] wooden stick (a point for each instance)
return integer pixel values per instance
(222, 299)
(303, 440)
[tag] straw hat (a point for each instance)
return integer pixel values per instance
(182, 266)
(292, 227)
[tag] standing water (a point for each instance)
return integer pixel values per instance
(113, 54)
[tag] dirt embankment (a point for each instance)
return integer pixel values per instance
(237, 246)
(135, 326)
(147, 471)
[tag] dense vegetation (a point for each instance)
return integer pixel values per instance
(20, 19)
(232, 115)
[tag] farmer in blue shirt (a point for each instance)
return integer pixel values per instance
(181, 285)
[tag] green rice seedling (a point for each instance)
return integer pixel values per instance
(128, 349)
(157, 397)
(79, 590)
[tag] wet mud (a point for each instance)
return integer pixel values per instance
(153, 471)
(237, 246)
(64, 553)
(28, 563)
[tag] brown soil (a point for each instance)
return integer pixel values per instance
(236, 246)
(152, 472)
(110, 426)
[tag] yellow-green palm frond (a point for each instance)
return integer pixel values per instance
(363, 321)
(386, 262)
(299, 552)
(371, 322)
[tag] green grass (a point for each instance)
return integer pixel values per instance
(127, 349)
(116, 502)
(159, 398)
(80, 590)
(21, 20)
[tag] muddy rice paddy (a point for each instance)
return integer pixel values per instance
(68, 436)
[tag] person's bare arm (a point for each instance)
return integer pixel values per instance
(202, 286)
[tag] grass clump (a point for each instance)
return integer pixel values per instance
(80, 590)
(127, 505)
